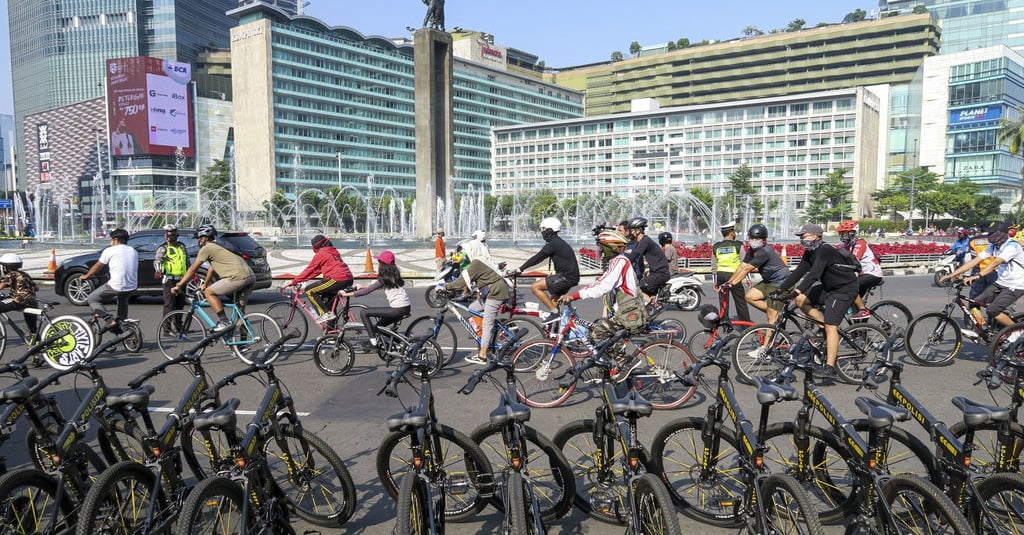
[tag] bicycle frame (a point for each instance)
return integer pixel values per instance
(724, 321)
(297, 305)
(457, 309)
(198, 306)
(512, 307)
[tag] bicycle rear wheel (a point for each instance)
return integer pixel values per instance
(604, 500)
(657, 382)
(445, 337)
(858, 348)
(73, 347)
(933, 339)
(413, 507)
(30, 504)
(119, 501)
(215, 505)
(134, 342)
(892, 316)
(787, 507)
(761, 351)
(288, 317)
(178, 331)
(918, 507)
(1001, 495)
(333, 355)
(258, 331)
(536, 372)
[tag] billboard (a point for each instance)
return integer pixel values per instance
(975, 115)
(150, 107)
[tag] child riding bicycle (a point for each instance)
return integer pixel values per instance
(399, 304)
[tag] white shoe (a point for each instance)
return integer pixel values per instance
(222, 326)
(758, 353)
(474, 359)
(325, 317)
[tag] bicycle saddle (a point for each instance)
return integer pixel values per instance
(769, 392)
(976, 414)
(223, 417)
(19, 391)
(139, 396)
(880, 413)
(632, 406)
(509, 410)
(408, 421)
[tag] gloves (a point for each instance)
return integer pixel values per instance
(725, 286)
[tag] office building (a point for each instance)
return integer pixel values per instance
(969, 24)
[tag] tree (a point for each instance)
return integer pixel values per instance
(742, 193)
(683, 42)
(634, 48)
(796, 25)
(752, 31)
(830, 198)
(215, 191)
(616, 56)
(1011, 132)
(920, 9)
(856, 15)
(671, 45)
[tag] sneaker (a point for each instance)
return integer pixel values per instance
(325, 317)
(221, 326)
(112, 325)
(475, 359)
(862, 315)
(552, 317)
(825, 372)
(632, 363)
(758, 353)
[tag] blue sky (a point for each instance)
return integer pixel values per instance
(560, 32)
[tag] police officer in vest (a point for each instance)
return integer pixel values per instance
(170, 264)
(726, 257)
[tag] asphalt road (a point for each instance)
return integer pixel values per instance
(346, 412)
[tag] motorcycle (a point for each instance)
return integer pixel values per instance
(450, 270)
(946, 265)
(684, 290)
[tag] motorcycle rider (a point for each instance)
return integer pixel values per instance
(671, 254)
(760, 257)
(1006, 260)
(961, 246)
(642, 249)
(726, 257)
(870, 267)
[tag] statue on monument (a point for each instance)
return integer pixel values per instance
(435, 14)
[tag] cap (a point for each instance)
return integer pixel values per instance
(386, 257)
(440, 230)
(729, 225)
(319, 241)
(997, 226)
(811, 228)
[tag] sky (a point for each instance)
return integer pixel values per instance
(560, 32)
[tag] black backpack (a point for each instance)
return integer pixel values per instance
(848, 263)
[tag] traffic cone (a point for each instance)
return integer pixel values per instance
(51, 268)
(369, 261)
(785, 257)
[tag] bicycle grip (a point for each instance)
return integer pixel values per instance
(472, 382)
(995, 380)
(577, 370)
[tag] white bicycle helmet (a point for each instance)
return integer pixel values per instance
(552, 223)
(10, 261)
(479, 235)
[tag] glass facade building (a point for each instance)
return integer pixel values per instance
(969, 24)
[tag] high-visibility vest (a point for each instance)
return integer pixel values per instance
(727, 255)
(175, 261)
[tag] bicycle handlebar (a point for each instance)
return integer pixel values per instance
(190, 355)
(870, 380)
(598, 359)
(19, 363)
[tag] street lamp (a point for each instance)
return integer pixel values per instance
(98, 179)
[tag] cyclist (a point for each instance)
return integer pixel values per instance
(1005, 258)
(762, 258)
(170, 264)
(123, 262)
(838, 277)
(336, 275)
(235, 276)
(475, 248)
(493, 291)
(619, 287)
(870, 268)
(23, 290)
(643, 250)
(961, 246)
(567, 268)
(725, 261)
(671, 254)
(389, 278)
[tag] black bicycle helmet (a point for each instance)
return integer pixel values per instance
(758, 232)
(637, 223)
(664, 238)
(206, 231)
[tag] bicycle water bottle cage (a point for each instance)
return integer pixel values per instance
(408, 421)
(507, 411)
(632, 406)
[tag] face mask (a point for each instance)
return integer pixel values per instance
(810, 245)
(547, 234)
(997, 238)
(755, 244)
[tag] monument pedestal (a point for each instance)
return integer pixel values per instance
(434, 140)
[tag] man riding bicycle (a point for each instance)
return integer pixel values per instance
(870, 267)
(124, 278)
(1006, 258)
(235, 276)
(762, 258)
(567, 268)
(643, 250)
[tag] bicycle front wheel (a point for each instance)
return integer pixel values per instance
(671, 328)
(119, 502)
(215, 505)
(290, 317)
(538, 364)
(700, 341)
(314, 480)
(3, 335)
(31, 506)
(918, 507)
(256, 332)
(892, 317)
(858, 348)
(933, 339)
(445, 336)
(73, 347)
(1000, 497)
(601, 494)
(179, 331)
(787, 507)
(414, 507)
(761, 351)
(652, 507)
(333, 355)
(657, 382)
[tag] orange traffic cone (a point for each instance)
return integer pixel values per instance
(51, 268)
(369, 261)
(785, 257)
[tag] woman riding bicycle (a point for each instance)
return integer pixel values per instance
(336, 275)
(399, 305)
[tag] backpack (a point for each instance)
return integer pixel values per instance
(631, 311)
(848, 263)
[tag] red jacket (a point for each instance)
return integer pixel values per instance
(326, 261)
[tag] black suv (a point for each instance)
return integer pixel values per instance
(146, 242)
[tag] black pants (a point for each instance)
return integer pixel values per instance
(321, 292)
(172, 302)
(31, 320)
(736, 295)
(387, 316)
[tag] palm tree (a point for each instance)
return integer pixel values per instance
(1012, 133)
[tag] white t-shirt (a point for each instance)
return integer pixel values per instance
(123, 263)
(1010, 273)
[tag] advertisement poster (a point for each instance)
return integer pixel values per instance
(150, 107)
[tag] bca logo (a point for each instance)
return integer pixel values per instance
(152, 93)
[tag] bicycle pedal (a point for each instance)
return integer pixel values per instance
(485, 485)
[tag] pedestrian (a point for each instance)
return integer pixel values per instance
(439, 254)
(671, 254)
(170, 265)
(123, 263)
(647, 258)
(726, 258)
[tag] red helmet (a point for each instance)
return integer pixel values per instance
(850, 225)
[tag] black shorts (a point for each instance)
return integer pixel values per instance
(866, 283)
(653, 282)
(558, 285)
(998, 298)
(837, 302)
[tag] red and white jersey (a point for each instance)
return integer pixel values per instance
(869, 264)
(618, 276)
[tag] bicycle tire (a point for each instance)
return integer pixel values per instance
(36, 495)
(462, 461)
(206, 457)
(550, 475)
(535, 331)
(290, 317)
(772, 345)
(933, 339)
(333, 355)
(1001, 343)
(74, 347)
(517, 518)
(828, 478)
(859, 347)
(3, 334)
(657, 382)
(999, 496)
(435, 298)
(537, 385)
(117, 499)
(670, 324)
(797, 511)
(986, 445)
(445, 337)
(700, 341)
(128, 443)
(318, 488)
(42, 458)
(926, 498)
(133, 344)
(652, 508)
(179, 331)
(264, 332)
(892, 316)
(905, 454)
(413, 507)
(218, 501)
(676, 455)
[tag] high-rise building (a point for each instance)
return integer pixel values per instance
(969, 24)
(58, 47)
